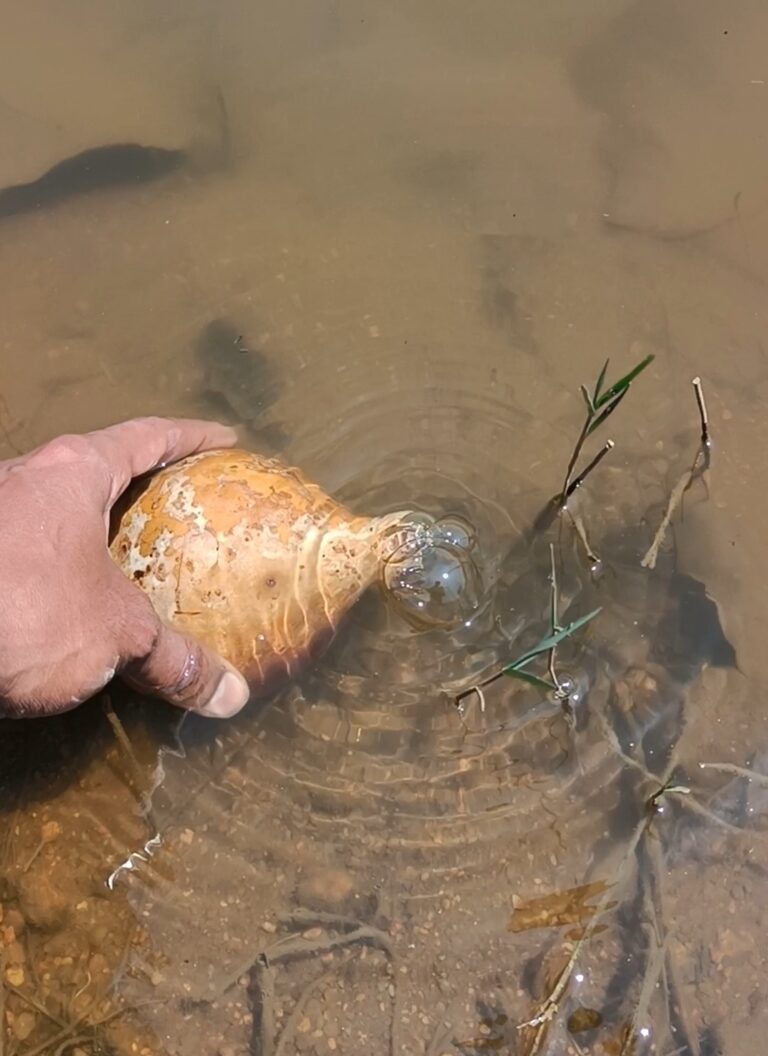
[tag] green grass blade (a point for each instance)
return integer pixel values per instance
(587, 399)
(565, 632)
(532, 680)
(607, 411)
(599, 382)
(549, 642)
(623, 383)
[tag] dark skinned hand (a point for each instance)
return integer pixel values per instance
(69, 619)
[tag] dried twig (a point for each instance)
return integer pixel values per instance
(578, 481)
(700, 466)
(554, 606)
(577, 523)
(264, 1005)
(549, 1008)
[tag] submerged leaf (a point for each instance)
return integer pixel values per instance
(559, 908)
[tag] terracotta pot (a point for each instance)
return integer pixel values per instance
(250, 557)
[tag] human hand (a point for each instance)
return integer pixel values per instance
(69, 618)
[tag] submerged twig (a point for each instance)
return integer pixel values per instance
(701, 464)
(705, 438)
(550, 1006)
(581, 532)
(578, 481)
(264, 978)
(554, 626)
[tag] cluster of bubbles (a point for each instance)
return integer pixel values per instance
(432, 576)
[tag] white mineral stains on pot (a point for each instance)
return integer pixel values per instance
(250, 557)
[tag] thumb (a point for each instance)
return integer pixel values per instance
(181, 670)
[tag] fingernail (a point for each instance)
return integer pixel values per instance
(229, 697)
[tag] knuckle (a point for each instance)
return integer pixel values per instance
(71, 447)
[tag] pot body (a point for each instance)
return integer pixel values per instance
(248, 556)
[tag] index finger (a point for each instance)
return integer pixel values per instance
(133, 448)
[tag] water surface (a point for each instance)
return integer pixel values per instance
(389, 243)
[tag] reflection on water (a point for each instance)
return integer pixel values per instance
(397, 243)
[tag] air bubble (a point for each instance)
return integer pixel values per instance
(432, 579)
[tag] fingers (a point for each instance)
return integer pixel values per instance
(143, 444)
(185, 673)
(161, 662)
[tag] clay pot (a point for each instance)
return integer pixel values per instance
(250, 557)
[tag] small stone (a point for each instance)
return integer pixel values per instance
(312, 934)
(15, 975)
(51, 831)
(325, 888)
(269, 927)
(14, 919)
(304, 1025)
(582, 1019)
(332, 1044)
(98, 965)
(23, 1025)
(45, 899)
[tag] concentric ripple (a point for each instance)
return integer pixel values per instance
(371, 737)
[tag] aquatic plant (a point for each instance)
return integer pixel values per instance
(600, 403)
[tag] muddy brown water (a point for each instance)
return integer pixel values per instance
(389, 242)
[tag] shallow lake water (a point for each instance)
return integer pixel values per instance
(389, 242)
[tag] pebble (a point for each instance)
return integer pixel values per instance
(303, 1026)
(14, 975)
(51, 830)
(269, 927)
(23, 1025)
(325, 887)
